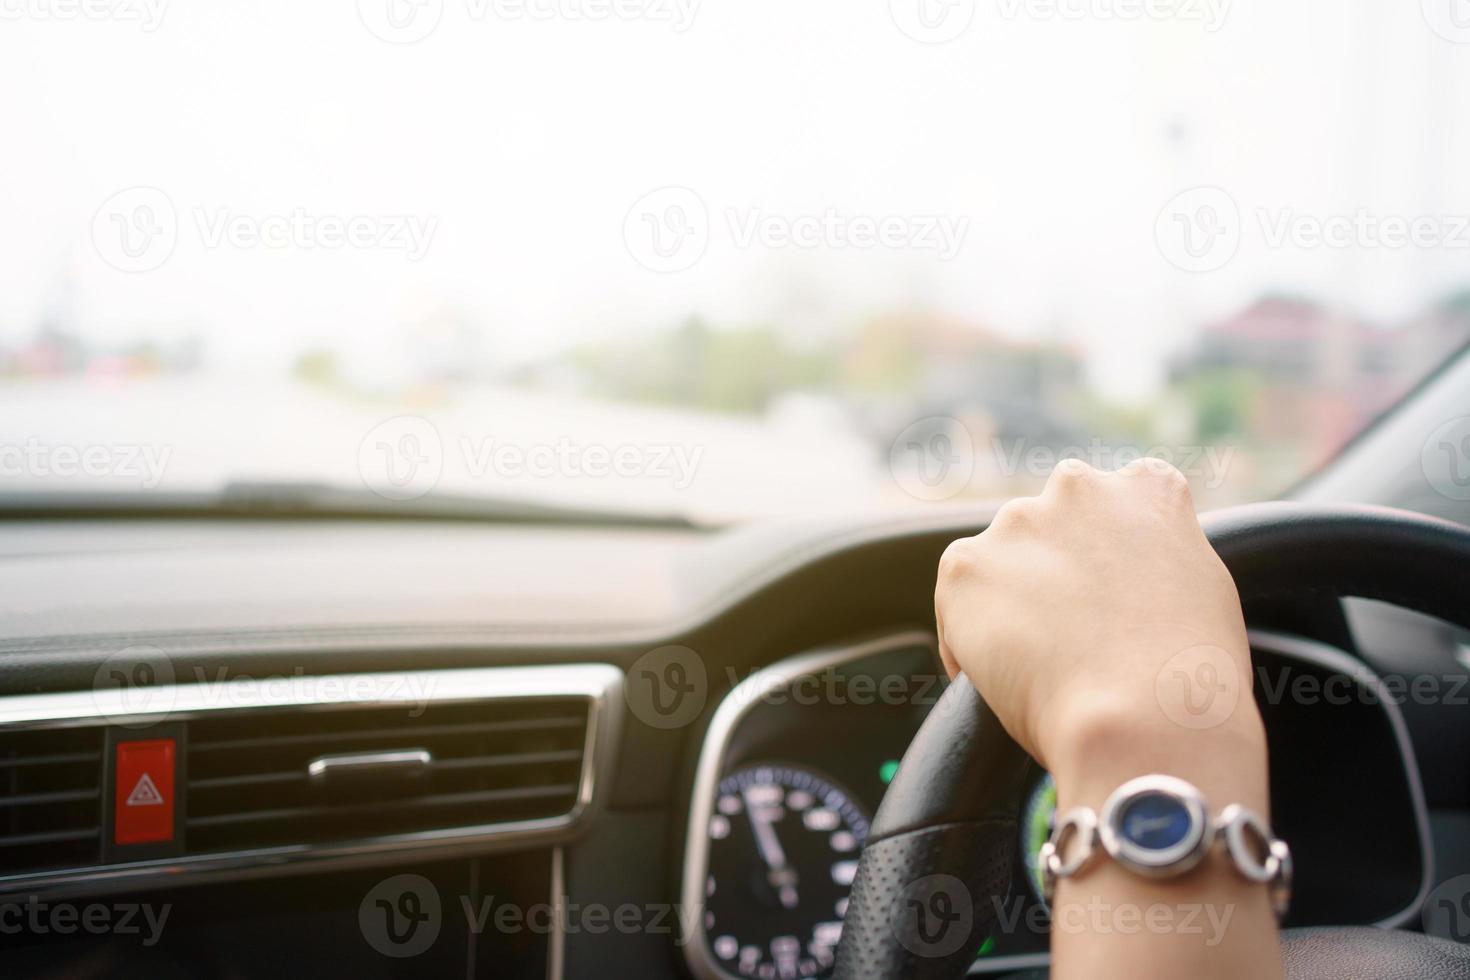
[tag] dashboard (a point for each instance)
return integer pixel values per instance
(732, 830)
(795, 761)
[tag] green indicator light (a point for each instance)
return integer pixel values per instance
(986, 946)
(888, 770)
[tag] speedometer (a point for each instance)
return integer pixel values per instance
(1036, 823)
(783, 850)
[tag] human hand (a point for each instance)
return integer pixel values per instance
(1095, 619)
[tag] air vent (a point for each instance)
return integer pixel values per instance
(50, 799)
(270, 778)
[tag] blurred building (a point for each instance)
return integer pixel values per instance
(1287, 370)
(943, 366)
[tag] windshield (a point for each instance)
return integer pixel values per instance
(721, 260)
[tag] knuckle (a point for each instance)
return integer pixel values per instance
(1016, 514)
(1170, 479)
(1159, 473)
(1070, 474)
(959, 560)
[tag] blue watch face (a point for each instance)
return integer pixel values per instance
(1155, 821)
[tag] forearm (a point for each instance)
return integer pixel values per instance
(1109, 922)
(1106, 634)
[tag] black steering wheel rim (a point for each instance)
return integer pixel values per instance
(951, 814)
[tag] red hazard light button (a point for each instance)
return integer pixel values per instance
(143, 810)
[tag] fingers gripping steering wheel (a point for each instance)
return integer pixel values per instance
(950, 817)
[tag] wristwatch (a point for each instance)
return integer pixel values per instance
(1160, 827)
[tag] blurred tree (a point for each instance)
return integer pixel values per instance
(316, 367)
(739, 370)
(1223, 401)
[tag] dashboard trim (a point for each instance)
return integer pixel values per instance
(1333, 658)
(736, 705)
(600, 684)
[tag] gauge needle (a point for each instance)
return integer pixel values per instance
(781, 877)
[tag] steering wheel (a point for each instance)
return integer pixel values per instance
(951, 814)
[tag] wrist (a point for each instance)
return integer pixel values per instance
(1100, 740)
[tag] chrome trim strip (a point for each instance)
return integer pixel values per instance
(727, 717)
(352, 763)
(600, 684)
(556, 948)
(181, 701)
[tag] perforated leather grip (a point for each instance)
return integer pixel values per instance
(937, 866)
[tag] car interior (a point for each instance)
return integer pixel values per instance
(473, 476)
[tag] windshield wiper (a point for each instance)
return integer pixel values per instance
(317, 501)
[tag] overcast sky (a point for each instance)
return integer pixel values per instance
(523, 142)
